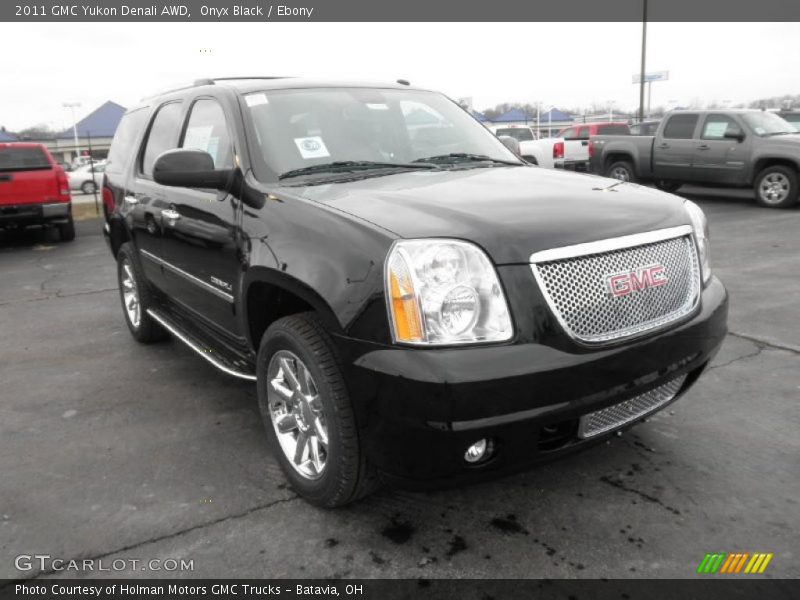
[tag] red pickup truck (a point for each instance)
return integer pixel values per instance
(34, 190)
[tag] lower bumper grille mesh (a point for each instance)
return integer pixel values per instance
(617, 415)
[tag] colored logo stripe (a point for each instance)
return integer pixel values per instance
(722, 562)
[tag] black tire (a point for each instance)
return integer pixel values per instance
(88, 187)
(666, 185)
(67, 230)
(147, 330)
(531, 159)
(786, 190)
(615, 170)
(347, 476)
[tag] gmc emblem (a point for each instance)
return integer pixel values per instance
(622, 284)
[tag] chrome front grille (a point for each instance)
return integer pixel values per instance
(577, 283)
(618, 415)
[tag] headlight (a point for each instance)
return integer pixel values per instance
(700, 225)
(442, 291)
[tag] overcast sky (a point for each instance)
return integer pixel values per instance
(561, 64)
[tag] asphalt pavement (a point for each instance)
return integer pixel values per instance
(110, 449)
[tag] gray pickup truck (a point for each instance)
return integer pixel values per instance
(737, 148)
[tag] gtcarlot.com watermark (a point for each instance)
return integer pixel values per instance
(48, 563)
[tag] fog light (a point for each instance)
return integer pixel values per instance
(479, 451)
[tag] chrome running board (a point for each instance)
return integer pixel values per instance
(210, 354)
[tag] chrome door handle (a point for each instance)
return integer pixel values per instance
(131, 200)
(172, 215)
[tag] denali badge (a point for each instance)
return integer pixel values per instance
(622, 284)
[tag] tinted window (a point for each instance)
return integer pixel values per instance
(680, 127)
(208, 131)
(613, 130)
(22, 159)
(163, 135)
(569, 134)
(523, 134)
(716, 126)
(124, 140)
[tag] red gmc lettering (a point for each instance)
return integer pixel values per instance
(622, 284)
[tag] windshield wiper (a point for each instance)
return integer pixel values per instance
(458, 157)
(352, 165)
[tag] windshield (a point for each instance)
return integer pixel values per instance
(23, 158)
(767, 123)
(298, 129)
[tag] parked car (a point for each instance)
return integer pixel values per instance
(417, 309)
(643, 128)
(33, 189)
(739, 148)
(87, 178)
(576, 141)
(544, 152)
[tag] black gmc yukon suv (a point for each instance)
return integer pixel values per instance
(415, 304)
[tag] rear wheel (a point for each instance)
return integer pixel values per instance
(776, 187)
(621, 170)
(89, 187)
(67, 230)
(136, 297)
(307, 413)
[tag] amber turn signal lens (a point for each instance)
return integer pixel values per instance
(405, 314)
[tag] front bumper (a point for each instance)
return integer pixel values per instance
(35, 214)
(419, 409)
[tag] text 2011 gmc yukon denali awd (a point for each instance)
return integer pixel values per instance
(414, 303)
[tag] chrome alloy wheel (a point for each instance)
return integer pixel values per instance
(130, 295)
(774, 188)
(297, 414)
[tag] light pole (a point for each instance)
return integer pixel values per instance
(644, 55)
(72, 106)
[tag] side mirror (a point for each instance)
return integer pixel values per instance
(734, 135)
(510, 143)
(190, 168)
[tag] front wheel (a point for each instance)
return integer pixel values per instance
(776, 187)
(621, 170)
(307, 413)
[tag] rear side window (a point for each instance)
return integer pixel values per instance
(23, 159)
(680, 127)
(208, 131)
(163, 135)
(613, 130)
(122, 146)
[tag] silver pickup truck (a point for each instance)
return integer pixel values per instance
(737, 148)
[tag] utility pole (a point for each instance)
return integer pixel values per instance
(644, 55)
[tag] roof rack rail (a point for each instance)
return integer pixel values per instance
(205, 81)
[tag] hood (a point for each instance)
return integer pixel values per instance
(511, 212)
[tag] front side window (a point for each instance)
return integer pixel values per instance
(717, 126)
(522, 134)
(163, 135)
(208, 131)
(295, 129)
(680, 127)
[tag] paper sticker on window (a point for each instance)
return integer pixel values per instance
(311, 147)
(716, 130)
(256, 99)
(197, 138)
(760, 130)
(377, 106)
